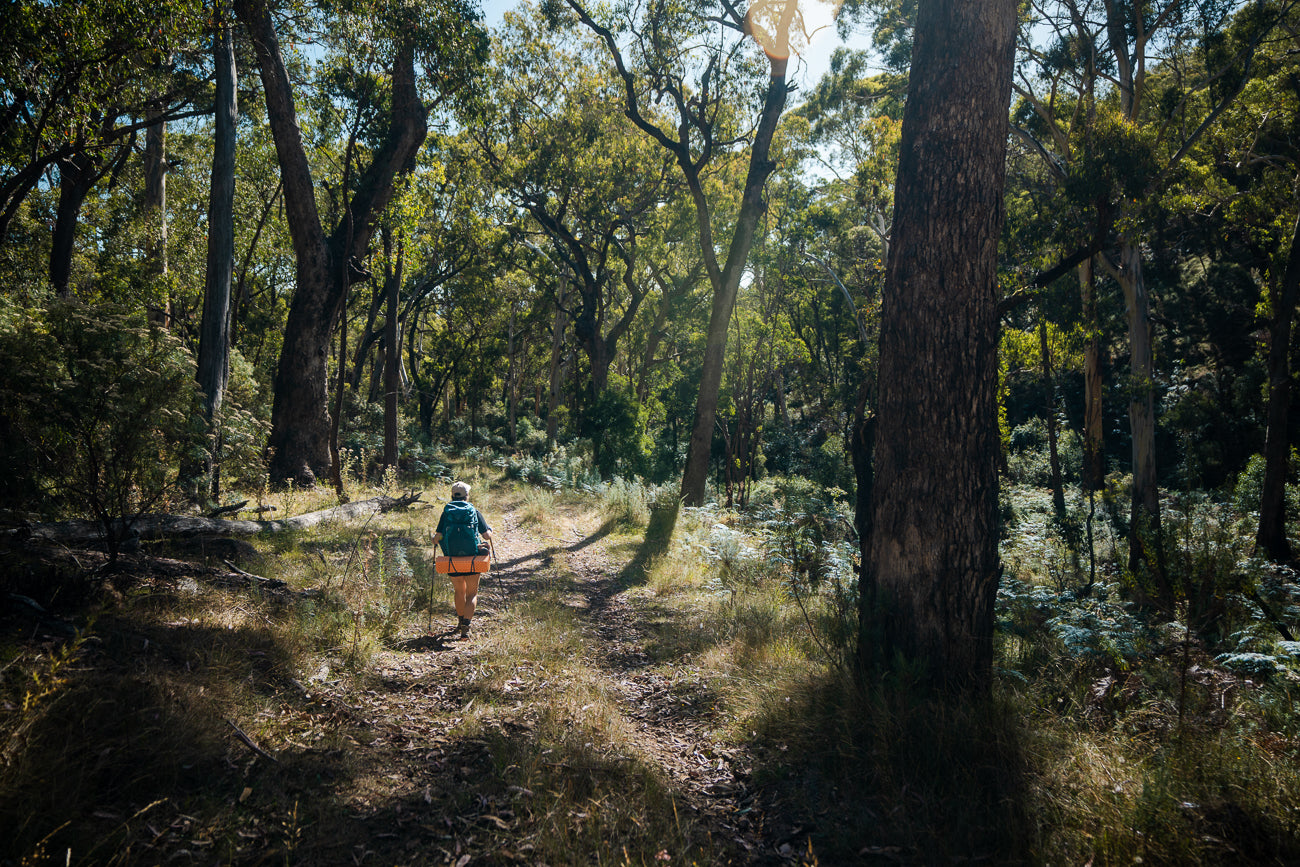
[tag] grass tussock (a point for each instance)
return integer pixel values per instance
(627, 503)
(1107, 740)
(537, 508)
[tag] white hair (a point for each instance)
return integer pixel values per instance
(460, 490)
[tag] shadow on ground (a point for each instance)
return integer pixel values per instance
(658, 538)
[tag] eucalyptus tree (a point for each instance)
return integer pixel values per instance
(930, 546)
(383, 49)
(78, 83)
(589, 184)
(696, 58)
(1113, 103)
(214, 332)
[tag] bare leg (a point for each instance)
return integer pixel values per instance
(466, 594)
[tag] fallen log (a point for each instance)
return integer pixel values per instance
(151, 527)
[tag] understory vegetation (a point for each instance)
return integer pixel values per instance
(627, 272)
(171, 710)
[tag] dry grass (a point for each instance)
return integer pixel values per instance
(119, 748)
(537, 509)
(592, 790)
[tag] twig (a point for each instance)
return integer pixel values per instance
(269, 583)
(248, 742)
(233, 568)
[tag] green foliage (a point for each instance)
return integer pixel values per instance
(557, 470)
(530, 435)
(243, 425)
(99, 409)
(616, 426)
(627, 501)
(1029, 456)
(810, 452)
(1248, 490)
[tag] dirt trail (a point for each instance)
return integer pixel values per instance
(406, 802)
(712, 780)
(402, 763)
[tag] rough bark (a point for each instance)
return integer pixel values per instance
(930, 560)
(299, 442)
(1271, 538)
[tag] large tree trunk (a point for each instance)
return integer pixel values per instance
(299, 442)
(76, 176)
(930, 561)
(214, 331)
(1271, 538)
(727, 283)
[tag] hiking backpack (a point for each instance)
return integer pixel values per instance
(460, 529)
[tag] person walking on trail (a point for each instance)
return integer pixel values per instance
(463, 532)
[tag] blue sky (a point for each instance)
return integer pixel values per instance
(805, 74)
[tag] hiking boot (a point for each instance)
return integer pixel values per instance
(464, 627)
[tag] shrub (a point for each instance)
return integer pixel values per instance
(617, 430)
(243, 428)
(1249, 488)
(99, 409)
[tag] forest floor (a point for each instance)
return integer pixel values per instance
(625, 698)
(571, 726)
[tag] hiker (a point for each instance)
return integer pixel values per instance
(463, 531)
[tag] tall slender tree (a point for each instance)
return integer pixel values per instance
(214, 331)
(695, 86)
